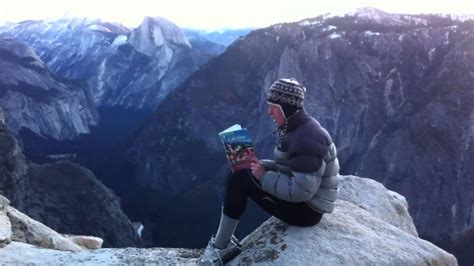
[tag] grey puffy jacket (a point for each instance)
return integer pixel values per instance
(305, 168)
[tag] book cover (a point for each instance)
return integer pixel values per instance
(238, 147)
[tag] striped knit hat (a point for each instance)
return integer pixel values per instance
(287, 92)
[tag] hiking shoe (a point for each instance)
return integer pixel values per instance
(217, 256)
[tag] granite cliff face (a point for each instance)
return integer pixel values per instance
(128, 68)
(141, 72)
(62, 195)
(33, 97)
(396, 97)
(155, 35)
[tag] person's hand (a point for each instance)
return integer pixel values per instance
(257, 169)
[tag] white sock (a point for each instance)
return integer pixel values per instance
(226, 229)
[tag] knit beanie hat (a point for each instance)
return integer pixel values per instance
(288, 93)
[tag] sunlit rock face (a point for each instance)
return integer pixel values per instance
(155, 34)
(130, 68)
(397, 99)
(33, 97)
(141, 72)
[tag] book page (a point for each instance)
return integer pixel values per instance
(232, 128)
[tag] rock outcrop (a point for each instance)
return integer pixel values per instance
(350, 235)
(19, 227)
(5, 230)
(33, 232)
(382, 203)
(89, 242)
(5, 225)
(370, 225)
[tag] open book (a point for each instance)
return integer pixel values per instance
(238, 147)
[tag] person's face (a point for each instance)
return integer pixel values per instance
(275, 111)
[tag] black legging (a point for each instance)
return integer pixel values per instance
(243, 184)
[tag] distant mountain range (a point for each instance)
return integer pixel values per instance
(223, 37)
(128, 68)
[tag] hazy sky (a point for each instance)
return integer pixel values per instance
(214, 14)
